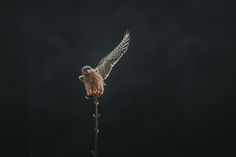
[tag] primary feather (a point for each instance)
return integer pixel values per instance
(105, 65)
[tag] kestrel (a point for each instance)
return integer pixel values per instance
(93, 79)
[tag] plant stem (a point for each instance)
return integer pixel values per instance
(96, 129)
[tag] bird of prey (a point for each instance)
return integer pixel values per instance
(93, 78)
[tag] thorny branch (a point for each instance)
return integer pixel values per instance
(96, 129)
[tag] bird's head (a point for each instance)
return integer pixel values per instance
(86, 69)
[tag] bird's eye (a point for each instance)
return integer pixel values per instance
(86, 68)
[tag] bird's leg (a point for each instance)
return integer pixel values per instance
(95, 100)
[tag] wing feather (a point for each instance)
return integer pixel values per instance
(105, 65)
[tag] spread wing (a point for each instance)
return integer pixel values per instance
(105, 66)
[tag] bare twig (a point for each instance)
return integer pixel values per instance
(96, 129)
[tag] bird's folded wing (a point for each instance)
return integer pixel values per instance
(105, 66)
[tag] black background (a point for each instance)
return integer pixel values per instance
(172, 94)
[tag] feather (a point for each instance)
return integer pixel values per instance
(106, 64)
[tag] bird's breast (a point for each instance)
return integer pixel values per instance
(94, 83)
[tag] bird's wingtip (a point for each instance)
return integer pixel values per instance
(127, 32)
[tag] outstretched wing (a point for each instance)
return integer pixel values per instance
(105, 66)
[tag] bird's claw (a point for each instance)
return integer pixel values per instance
(88, 97)
(96, 102)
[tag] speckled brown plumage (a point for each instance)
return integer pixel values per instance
(94, 78)
(94, 84)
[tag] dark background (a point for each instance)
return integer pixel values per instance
(171, 95)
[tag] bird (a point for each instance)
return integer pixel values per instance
(93, 78)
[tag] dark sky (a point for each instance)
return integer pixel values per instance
(171, 95)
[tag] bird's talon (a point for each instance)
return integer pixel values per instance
(96, 102)
(88, 97)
